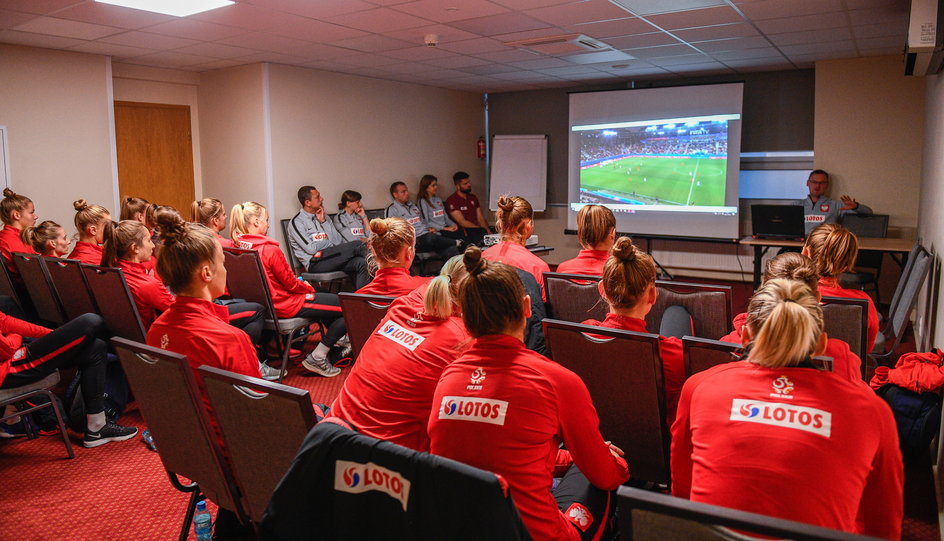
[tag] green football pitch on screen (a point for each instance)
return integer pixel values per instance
(663, 181)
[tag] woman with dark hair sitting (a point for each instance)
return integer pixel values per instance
(351, 220)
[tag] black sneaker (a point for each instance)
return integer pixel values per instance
(109, 432)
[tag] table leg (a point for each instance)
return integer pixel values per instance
(758, 256)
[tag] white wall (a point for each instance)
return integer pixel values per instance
(929, 325)
(56, 107)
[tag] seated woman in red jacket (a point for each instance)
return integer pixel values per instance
(392, 246)
(292, 297)
(596, 231)
(776, 434)
(390, 390)
(833, 250)
(794, 266)
(210, 212)
(128, 246)
(48, 238)
(515, 221)
(506, 409)
(17, 213)
(90, 222)
(629, 288)
(29, 353)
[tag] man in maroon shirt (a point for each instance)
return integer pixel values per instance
(464, 209)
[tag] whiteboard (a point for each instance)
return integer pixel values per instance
(519, 167)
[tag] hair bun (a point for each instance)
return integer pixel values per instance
(473, 260)
(378, 226)
(625, 250)
(7, 192)
(80, 204)
(506, 203)
(171, 226)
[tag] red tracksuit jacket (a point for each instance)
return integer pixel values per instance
(845, 363)
(288, 293)
(10, 242)
(390, 390)
(394, 282)
(518, 256)
(670, 350)
(150, 294)
(587, 262)
(86, 252)
(504, 408)
(794, 443)
(12, 331)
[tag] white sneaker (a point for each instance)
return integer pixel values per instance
(270, 373)
(321, 367)
(344, 341)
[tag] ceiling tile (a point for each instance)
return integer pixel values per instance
(884, 51)
(568, 70)
(444, 34)
(775, 9)
(578, 12)
(740, 30)
(66, 28)
(9, 19)
(778, 60)
(683, 67)
(541, 63)
(216, 64)
(696, 71)
(653, 7)
(500, 24)
(509, 55)
(444, 11)
(111, 49)
(489, 69)
(661, 51)
(316, 9)
(889, 15)
(266, 42)
(530, 34)
(526, 76)
(131, 19)
(865, 4)
(799, 24)
(882, 42)
(718, 45)
(216, 50)
(318, 51)
(419, 54)
(843, 47)
(616, 27)
(773, 66)
(312, 30)
(37, 40)
(475, 46)
(41, 7)
(880, 30)
(151, 41)
(814, 57)
(362, 60)
(681, 59)
(651, 39)
(278, 58)
(171, 59)
(406, 67)
(194, 29)
(696, 17)
(443, 74)
(379, 20)
(760, 52)
(372, 43)
(457, 61)
(810, 36)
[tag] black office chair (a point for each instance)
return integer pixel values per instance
(868, 265)
(332, 281)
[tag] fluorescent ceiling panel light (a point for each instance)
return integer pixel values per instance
(653, 7)
(177, 8)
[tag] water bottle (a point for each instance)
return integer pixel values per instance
(148, 440)
(203, 522)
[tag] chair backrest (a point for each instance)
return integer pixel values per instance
(573, 297)
(848, 320)
(246, 279)
(166, 392)
(375, 213)
(898, 319)
(645, 515)
(623, 372)
(70, 284)
(362, 313)
(262, 425)
(344, 485)
(39, 287)
(873, 225)
(701, 354)
(293, 261)
(7, 289)
(903, 279)
(709, 306)
(114, 301)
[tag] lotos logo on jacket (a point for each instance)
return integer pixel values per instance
(245, 245)
(782, 415)
(356, 477)
(398, 334)
(815, 218)
(357, 231)
(317, 237)
(481, 410)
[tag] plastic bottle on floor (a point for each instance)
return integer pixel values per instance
(203, 522)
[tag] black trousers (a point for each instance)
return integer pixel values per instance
(434, 242)
(585, 506)
(248, 316)
(327, 309)
(72, 344)
(347, 257)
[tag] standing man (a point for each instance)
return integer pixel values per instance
(318, 245)
(427, 239)
(466, 211)
(819, 209)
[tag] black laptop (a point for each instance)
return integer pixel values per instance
(783, 222)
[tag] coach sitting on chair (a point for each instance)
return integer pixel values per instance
(819, 209)
(318, 245)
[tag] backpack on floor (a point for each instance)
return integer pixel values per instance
(918, 416)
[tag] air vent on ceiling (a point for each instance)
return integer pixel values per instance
(563, 44)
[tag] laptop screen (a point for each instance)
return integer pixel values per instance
(777, 221)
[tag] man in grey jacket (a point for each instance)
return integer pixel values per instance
(319, 246)
(427, 239)
(819, 209)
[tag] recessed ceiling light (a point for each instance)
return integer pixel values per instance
(177, 8)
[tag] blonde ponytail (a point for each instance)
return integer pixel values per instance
(785, 321)
(442, 291)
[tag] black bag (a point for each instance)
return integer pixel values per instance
(918, 416)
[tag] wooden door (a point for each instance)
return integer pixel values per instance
(155, 153)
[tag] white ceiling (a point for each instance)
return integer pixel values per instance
(384, 38)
